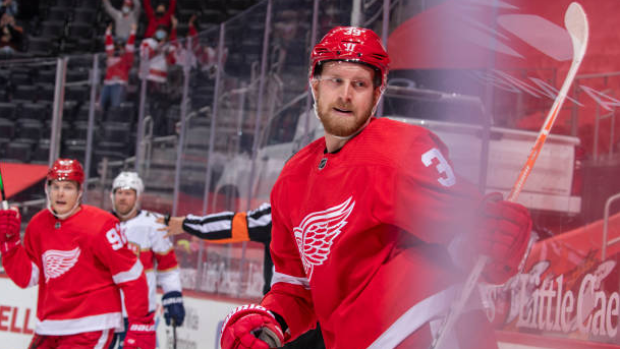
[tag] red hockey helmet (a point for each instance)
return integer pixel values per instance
(352, 44)
(66, 170)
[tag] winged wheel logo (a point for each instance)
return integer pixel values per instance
(56, 262)
(316, 233)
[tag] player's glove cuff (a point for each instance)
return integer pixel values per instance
(141, 333)
(505, 229)
(173, 308)
(251, 327)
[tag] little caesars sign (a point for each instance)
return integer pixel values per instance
(583, 300)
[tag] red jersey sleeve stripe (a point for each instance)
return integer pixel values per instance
(293, 280)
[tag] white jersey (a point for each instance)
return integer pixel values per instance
(155, 252)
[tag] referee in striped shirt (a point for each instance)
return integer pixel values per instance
(230, 227)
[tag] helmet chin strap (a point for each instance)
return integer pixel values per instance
(64, 215)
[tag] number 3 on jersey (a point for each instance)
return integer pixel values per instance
(442, 166)
(116, 237)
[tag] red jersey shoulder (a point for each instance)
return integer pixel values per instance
(42, 216)
(97, 220)
(97, 214)
(400, 141)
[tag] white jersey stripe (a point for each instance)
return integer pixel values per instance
(430, 310)
(34, 276)
(279, 277)
(102, 340)
(79, 325)
(130, 275)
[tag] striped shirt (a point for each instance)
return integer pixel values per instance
(230, 227)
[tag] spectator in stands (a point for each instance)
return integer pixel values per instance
(8, 7)
(203, 56)
(11, 35)
(159, 52)
(162, 16)
(120, 56)
(125, 18)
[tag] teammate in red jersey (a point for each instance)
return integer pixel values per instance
(78, 257)
(373, 232)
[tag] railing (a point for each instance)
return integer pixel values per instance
(606, 243)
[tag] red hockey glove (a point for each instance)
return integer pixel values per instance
(251, 327)
(503, 234)
(141, 333)
(10, 224)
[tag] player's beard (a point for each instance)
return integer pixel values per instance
(123, 208)
(342, 126)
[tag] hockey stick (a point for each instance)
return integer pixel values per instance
(576, 24)
(174, 334)
(5, 204)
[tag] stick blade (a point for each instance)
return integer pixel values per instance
(576, 23)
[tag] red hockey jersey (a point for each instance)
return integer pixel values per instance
(79, 264)
(360, 240)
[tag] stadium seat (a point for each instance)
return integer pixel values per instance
(18, 151)
(29, 130)
(85, 61)
(123, 113)
(211, 16)
(65, 3)
(24, 93)
(34, 111)
(190, 5)
(110, 155)
(41, 153)
(7, 111)
(79, 30)
(76, 93)
(69, 111)
(115, 132)
(7, 128)
(85, 15)
(52, 29)
(117, 147)
(84, 45)
(59, 14)
(79, 130)
(75, 150)
(46, 92)
(20, 78)
(78, 74)
(46, 76)
(82, 114)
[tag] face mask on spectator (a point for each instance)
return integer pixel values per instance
(160, 35)
(126, 9)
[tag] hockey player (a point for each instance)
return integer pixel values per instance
(154, 251)
(79, 258)
(230, 227)
(365, 221)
